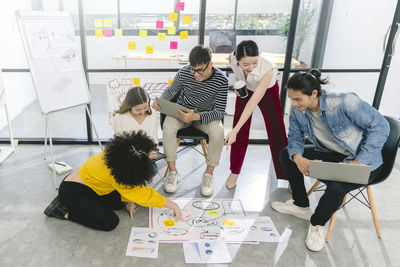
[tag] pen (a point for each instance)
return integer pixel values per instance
(58, 163)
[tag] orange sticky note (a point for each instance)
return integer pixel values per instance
(143, 33)
(98, 33)
(186, 20)
(149, 49)
(228, 223)
(170, 81)
(161, 36)
(169, 222)
(173, 16)
(171, 30)
(132, 45)
(118, 32)
(136, 81)
(98, 23)
(107, 23)
(184, 35)
(213, 212)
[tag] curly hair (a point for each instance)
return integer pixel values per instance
(127, 156)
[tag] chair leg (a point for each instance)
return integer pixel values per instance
(316, 184)
(373, 211)
(332, 222)
(178, 142)
(203, 143)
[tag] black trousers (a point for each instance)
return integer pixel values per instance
(86, 207)
(334, 194)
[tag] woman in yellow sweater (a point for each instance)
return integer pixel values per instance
(108, 181)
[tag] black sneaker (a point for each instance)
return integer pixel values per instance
(56, 209)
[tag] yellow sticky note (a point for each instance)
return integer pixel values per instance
(169, 222)
(173, 16)
(149, 49)
(108, 23)
(184, 35)
(136, 81)
(186, 20)
(171, 30)
(118, 32)
(132, 45)
(161, 36)
(213, 212)
(228, 223)
(143, 33)
(170, 81)
(98, 23)
(98, 33)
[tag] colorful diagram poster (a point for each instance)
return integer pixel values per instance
(143, 242)
(206, 252)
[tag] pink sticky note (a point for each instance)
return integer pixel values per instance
(159, 24)
(180, 6)
(186, 215)
(173, 45)
(107, 33)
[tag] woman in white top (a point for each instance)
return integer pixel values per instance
(259, 74)
(135, 114)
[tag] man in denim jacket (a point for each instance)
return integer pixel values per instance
(342, 128)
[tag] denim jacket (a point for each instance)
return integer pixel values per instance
(353, 124)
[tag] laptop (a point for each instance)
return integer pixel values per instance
(169, 108)
(348, 173)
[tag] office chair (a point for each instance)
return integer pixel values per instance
(389, 152)
(197, 137)
(222, 41)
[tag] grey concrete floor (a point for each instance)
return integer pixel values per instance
(29, 238)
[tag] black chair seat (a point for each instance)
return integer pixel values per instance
(191, 133)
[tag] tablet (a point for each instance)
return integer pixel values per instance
(332, 171)
(169, 108)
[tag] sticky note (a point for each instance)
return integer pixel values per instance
(161, 36)
(118, 32)
(108, 23)
(185, 214)
(228, 223)
(186, 20)
(107, 33)
(98, 23)
(184, 35)
(173, 45)
(159, 24)
(180, 6)
(169, 222)
(169, 83)
(173, 16)
(132, 45)
(149, 49)
(98, 33)
(213, 212)
(171, 30)
(136, 81)
(143, 33)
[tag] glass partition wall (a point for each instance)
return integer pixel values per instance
(323, 37)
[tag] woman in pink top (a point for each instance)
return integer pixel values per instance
(259, 74)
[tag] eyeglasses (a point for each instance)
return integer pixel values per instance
(199, 71)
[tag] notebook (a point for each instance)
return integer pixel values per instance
(61, 167)
(331, 171)
(169, 108)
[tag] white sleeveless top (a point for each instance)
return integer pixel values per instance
(254, 77)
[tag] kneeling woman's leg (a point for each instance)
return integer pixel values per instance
(87, 208)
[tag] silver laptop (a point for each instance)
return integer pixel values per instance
(349, 173)
(169, 108)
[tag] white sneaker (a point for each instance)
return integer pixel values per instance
(315, 240)
(170, 183)
(207, 186)
(289, 207)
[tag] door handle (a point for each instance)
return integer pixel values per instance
(395, 38)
